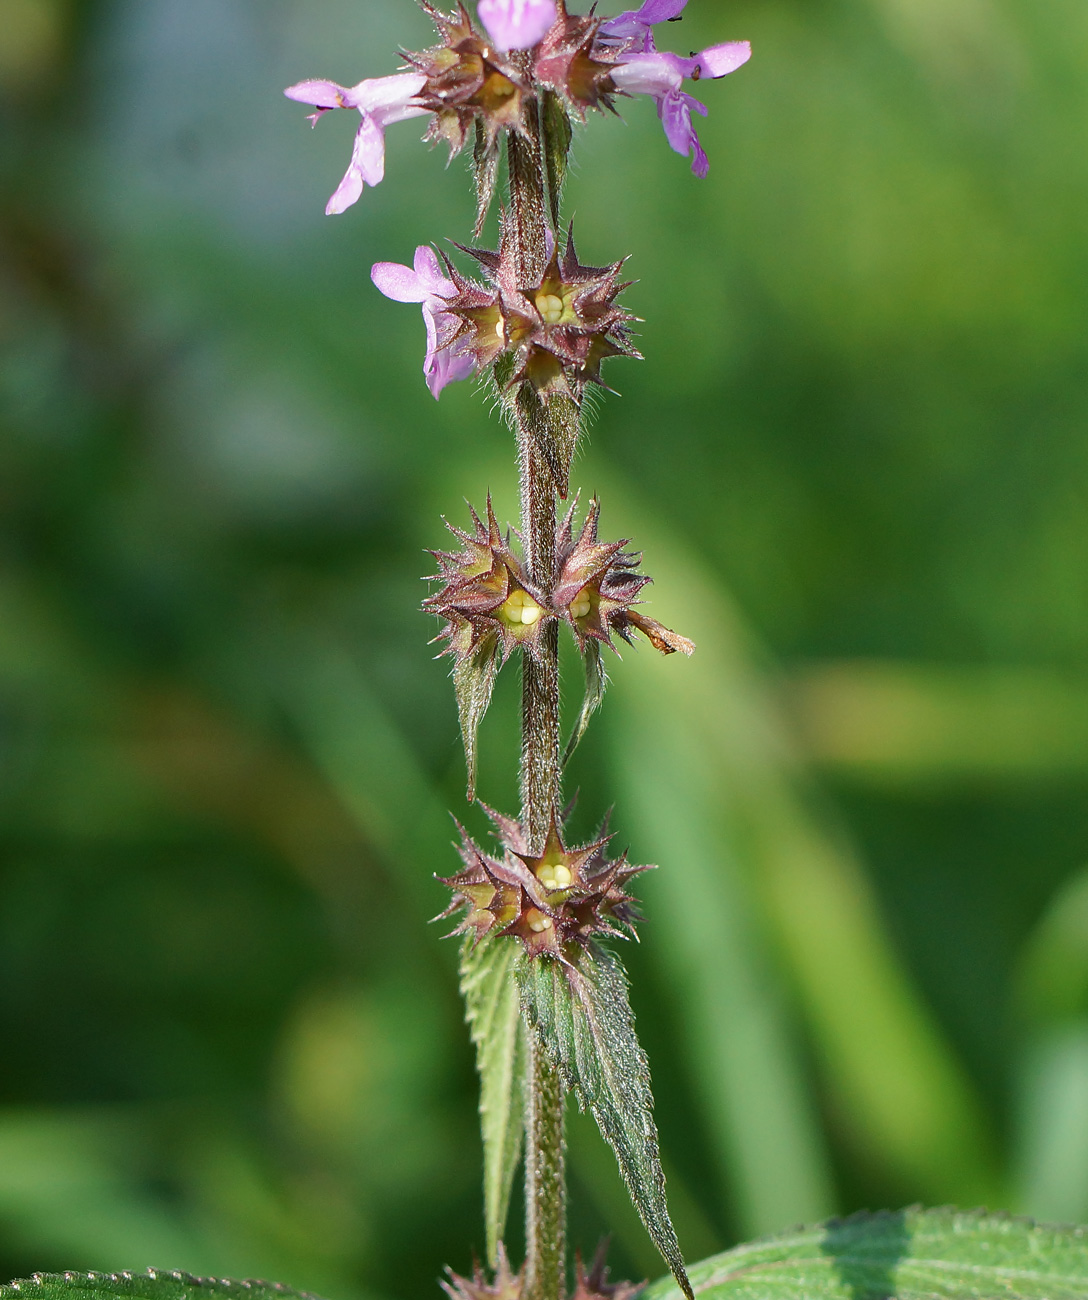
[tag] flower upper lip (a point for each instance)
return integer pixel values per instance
(381, 101)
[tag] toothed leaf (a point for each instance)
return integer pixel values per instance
(582, 1016)
(906, 1255)
(557, 138)
(596, 681)
(473, 681)
(154, 1284)
(492, 1009)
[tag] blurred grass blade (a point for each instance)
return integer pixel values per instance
(895, 723)
(1053, 1175)
(1052, 978)
(152, 1285)
(493, 1012)
(365, 758)
(67, 1188)
(722, 807)
(1051, 995)
(769, 1150)
(908, 1255)
(582, 1014)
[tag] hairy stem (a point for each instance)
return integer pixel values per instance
(545, 1179)
(545, 1182)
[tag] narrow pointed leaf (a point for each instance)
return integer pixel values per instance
(907, 1255)
(565, 421)
(154, 1284)
(582, 1016)
(473, 682)
(554, 432)
(492, 1009)
(485, 169)
(596, 681)
(557, 138)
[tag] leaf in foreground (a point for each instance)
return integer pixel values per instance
(154, 1284)
(906, 1255)
(583, 1017)
(494, 1019)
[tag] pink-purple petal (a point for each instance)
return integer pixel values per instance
(651, 74)
(388, 98)
(719, 60)
(675, 112)
(447, 367)
(397, 281)
(423, 282)
(369, 150)
(632, 21)
(516, 24)
(351, 187)
(322, 94)
(429, 271)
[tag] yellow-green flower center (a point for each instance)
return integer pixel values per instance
(550, 306)
(581, 605)
(520, 608)
(554, 875)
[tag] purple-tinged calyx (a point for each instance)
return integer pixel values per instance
(380, 102)
(575, 63)
(598, 587)
(559, 328)
(486, 596)
(516, 24)
(424, 282)
(505, 1286)
(550, 900)
(469, 81)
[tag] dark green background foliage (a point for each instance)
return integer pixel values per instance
(857, 458)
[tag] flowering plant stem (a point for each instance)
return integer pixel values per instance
(545, 1177)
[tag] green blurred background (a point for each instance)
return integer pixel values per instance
(857, 459)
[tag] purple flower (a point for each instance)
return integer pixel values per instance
(423, 282)
(652, 72)
(380, 101)
(634, 26)
(516, 24)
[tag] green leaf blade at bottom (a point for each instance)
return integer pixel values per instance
(910, 1254)
(493, 1011)
(581, 1013)
(154, 1284)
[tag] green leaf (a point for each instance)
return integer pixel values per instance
(152, 1285)
(582, 1015)
(473, 681)
(554, 425)
(493, 1012)
(557, 138)
(485, 168)
(907, 1255)
(596, 681)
